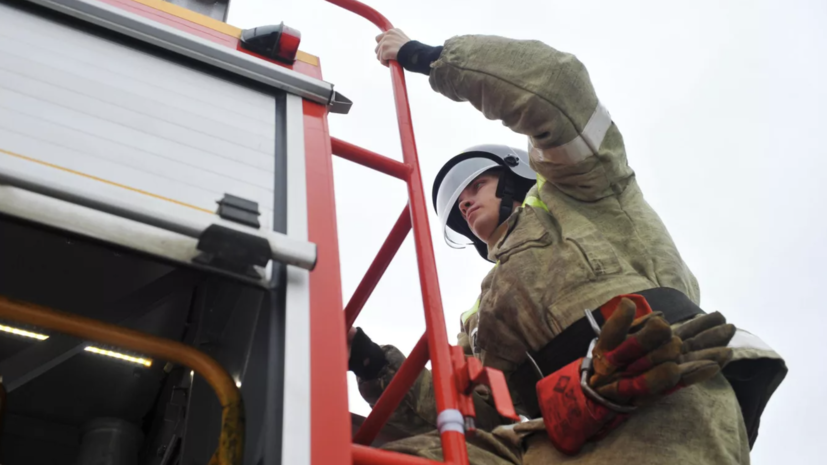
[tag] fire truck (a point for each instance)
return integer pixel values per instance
(170, 288)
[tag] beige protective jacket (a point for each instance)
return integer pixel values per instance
(585, 236)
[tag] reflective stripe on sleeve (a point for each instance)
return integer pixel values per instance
(746, 340)
(584, 145)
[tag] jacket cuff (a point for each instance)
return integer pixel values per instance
(366, 357)
(417, 57)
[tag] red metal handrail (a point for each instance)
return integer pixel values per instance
(383, 258)
(445, 390)
(394, 393)
(369, 159)
(368, 456)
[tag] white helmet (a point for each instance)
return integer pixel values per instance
(516, 178)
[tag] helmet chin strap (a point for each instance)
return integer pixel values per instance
(505, 191)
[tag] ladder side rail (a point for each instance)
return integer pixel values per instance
(445, 389)
(363, 455)
(394, 393)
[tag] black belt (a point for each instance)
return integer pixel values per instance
(574, 341)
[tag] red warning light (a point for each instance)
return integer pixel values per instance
(288, 45)
(274, 42)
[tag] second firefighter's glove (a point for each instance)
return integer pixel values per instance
(633, 362)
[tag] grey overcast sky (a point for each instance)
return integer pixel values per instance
(722, 107)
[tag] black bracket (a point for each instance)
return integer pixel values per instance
(232, 250)
(239, 210)
(339, 104)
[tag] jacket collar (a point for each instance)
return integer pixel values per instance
(501, 233)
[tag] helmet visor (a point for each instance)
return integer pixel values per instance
(454, 182)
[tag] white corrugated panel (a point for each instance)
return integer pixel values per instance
(75, 107)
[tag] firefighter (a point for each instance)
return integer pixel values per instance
(568, 229)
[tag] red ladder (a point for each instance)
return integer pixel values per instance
(454, 378)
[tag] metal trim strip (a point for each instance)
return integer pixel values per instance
(282, 248)
(199, 49)
(296, 413)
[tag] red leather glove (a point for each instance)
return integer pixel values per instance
(634, 361)
(570, 417)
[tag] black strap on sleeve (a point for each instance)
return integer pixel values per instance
(417, 57)
(366, 357)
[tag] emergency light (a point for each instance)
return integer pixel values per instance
(276, 42)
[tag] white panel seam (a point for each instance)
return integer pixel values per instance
(296, 414)
(194, 169)
(213, 193)
(97, 98)
(265, 157)
(97, 44)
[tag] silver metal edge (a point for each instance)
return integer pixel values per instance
(282, 248)
(296, 419)
(191, 46)
(71, 217)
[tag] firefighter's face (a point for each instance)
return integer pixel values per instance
(480, 206)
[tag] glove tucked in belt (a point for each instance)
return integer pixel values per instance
(635, 360)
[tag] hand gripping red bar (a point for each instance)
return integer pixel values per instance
(399, 386)
(453, 442)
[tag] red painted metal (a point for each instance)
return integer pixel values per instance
(495, 380)
(368, 456)
(174, 21)
(469, 374)
(370, 159)
(329, 417)
(205, 32)
(383, 258)
(399, 386)
(466, 402)
(445, 392)
(288, 45)
(364, 11)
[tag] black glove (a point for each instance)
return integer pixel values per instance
(366, 357)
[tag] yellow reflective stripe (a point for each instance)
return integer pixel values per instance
(105, 181)
(469, 313)
(532, 201)
(540, 181)
(192, 16)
